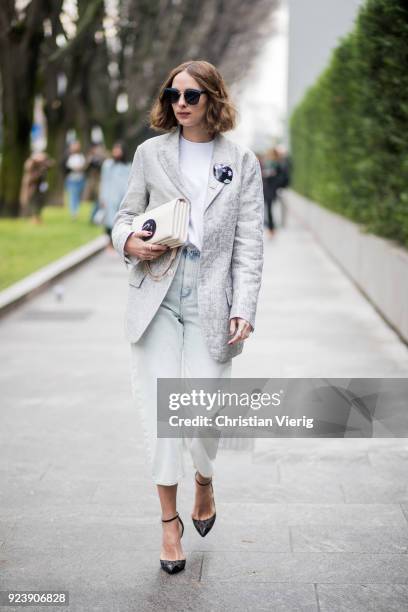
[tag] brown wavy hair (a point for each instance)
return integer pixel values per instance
(221, 113)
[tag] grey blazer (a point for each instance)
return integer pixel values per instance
(231, 261)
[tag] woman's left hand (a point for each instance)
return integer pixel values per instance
(240, 328)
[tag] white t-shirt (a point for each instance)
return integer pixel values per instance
(195, 160)
(76, 164)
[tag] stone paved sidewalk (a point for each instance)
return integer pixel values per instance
(301, 524)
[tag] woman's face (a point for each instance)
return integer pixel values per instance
(75, 147)
(117, 152)
(189, 115)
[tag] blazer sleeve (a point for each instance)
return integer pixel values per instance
(133, 203)
(248, 248)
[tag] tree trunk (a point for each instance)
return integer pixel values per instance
(20, 43)
(17, 105)
(56, 134)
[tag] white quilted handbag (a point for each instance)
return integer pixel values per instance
(169, 226)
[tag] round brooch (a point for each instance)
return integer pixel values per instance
(150, 226)
(222, 173)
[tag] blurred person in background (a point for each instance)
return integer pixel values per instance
(271, 178)
(94, 161)
(285, 168)
(34, 187)
(282, 179)
(74, 166)
(114, 179)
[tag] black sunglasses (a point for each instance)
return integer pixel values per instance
(191, 96)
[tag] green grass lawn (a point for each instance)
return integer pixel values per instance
(26, 247)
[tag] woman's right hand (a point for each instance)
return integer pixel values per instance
(140, 248)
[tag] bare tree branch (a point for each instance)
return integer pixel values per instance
(93, 9)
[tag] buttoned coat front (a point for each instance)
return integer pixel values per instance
(231, 261)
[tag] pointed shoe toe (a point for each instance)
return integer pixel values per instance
(205, 525)
(172, 567)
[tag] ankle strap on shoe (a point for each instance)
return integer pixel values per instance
(203, 484)
(170, 519)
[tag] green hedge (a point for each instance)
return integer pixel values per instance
(349, 134)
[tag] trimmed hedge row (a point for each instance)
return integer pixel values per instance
(349, 134)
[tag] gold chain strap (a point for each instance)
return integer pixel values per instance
(158, 277)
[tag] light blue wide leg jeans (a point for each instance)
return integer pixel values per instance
(173, 346)
(75, 188)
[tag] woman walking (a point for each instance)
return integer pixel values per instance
(196, 318)
(271, 181)
(75, 165)
(34, 186)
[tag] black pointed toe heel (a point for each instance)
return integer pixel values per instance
(172, 567)
(203, 526)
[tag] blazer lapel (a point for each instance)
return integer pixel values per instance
(169, 157)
